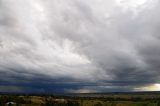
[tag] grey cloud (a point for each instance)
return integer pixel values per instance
(90, 42)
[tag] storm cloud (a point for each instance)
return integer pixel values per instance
(79, 45)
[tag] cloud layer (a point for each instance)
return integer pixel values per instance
(79, 46)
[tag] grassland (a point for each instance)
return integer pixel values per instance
(113, 99)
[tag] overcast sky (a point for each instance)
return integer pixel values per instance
(79, 46)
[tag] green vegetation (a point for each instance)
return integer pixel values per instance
(107, 100)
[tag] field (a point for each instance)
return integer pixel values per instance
(110, 99)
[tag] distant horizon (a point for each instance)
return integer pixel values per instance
(66, 93)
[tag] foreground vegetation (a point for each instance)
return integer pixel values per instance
(81, 100)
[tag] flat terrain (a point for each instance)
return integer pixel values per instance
(110, 99)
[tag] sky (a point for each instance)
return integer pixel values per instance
(79, 46)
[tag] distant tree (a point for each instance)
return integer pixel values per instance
(98, 104)
(145, 104)
(113, 104)
(158, 103)
(73, 103)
